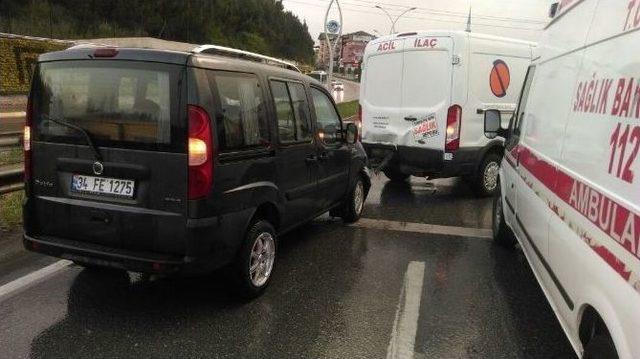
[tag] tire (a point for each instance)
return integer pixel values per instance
(502, 234)
(600, 347)
(485, 183)
(354, 203)
(394, 175)
(254, 266)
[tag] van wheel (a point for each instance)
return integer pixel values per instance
(502, 234)
(256, 260)
(600, 347)
(486, 180)
(395, 175)
(354, 203)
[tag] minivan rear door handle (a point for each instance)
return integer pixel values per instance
(410, 118)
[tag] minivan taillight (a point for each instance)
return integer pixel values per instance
(26, 142)
(359, 124)
(454, 119)
(200, 153)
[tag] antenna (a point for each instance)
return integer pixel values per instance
(468, 29)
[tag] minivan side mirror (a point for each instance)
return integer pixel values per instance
(493, 124)
(352, 133)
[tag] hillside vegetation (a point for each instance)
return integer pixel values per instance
(255, 25)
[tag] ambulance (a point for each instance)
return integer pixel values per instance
(422, 99)
(570, 176)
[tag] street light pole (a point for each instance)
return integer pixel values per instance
(326, 35)
(393, 22)
(392, 30)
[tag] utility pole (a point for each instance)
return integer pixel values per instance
(392, 30)
(469, 21)
(332, 48)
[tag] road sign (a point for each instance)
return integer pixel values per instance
(333, 26)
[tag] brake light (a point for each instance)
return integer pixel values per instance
(105, 52)
(26, 141)
(200, 153)
(454, 121)
(359, 124)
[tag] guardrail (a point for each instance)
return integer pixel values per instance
(11, 176)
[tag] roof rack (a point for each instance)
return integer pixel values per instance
(231, 52)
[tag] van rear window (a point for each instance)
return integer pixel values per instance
(120, 103)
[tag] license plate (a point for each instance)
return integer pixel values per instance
(103, 185)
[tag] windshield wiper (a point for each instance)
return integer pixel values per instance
(84, 132)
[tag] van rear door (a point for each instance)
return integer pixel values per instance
(407, 93)
(130, 192)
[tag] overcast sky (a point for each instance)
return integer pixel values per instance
(511, 18)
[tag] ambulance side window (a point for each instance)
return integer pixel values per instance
(518, 116)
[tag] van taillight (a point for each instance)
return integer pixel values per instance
(200, 153)
(454, 119)
(26, 142)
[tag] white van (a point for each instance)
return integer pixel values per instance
(422, 97)
(570, 176)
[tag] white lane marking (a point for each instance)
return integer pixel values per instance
(33, 277)
(405, 325)
(422, 228)
(12, 114)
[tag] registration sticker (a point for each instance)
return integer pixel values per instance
(427, 127)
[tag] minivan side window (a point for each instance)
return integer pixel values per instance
(329, 124)
(292, 111)
(242, 123)
(524, 96)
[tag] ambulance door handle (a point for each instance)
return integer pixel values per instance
(412, 119)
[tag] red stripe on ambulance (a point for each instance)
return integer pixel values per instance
(617, 221)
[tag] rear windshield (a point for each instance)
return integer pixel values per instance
(120, 103)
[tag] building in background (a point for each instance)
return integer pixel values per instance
(352, 49)
(348, 53)
(322, 56)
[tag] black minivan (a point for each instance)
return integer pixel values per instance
(165, 161)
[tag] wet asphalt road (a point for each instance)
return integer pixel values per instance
(335, 293)
(351, 91)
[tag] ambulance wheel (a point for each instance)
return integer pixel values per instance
(502, 234)
(486, 182)
(395, 175)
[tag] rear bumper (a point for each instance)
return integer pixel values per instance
(94, 254)
(427, 162)
(410, 159)
(210, 243)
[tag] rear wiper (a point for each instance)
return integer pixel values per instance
(84, 132)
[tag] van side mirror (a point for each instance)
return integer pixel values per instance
(493, 124)
(352, 133)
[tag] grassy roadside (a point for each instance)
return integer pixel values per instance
(11, 209)
(348, 109)
(11, 156)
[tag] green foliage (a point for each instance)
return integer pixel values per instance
(11, 209)
(348, 109)
(255, 25)
(11, 156)
(17, 58)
